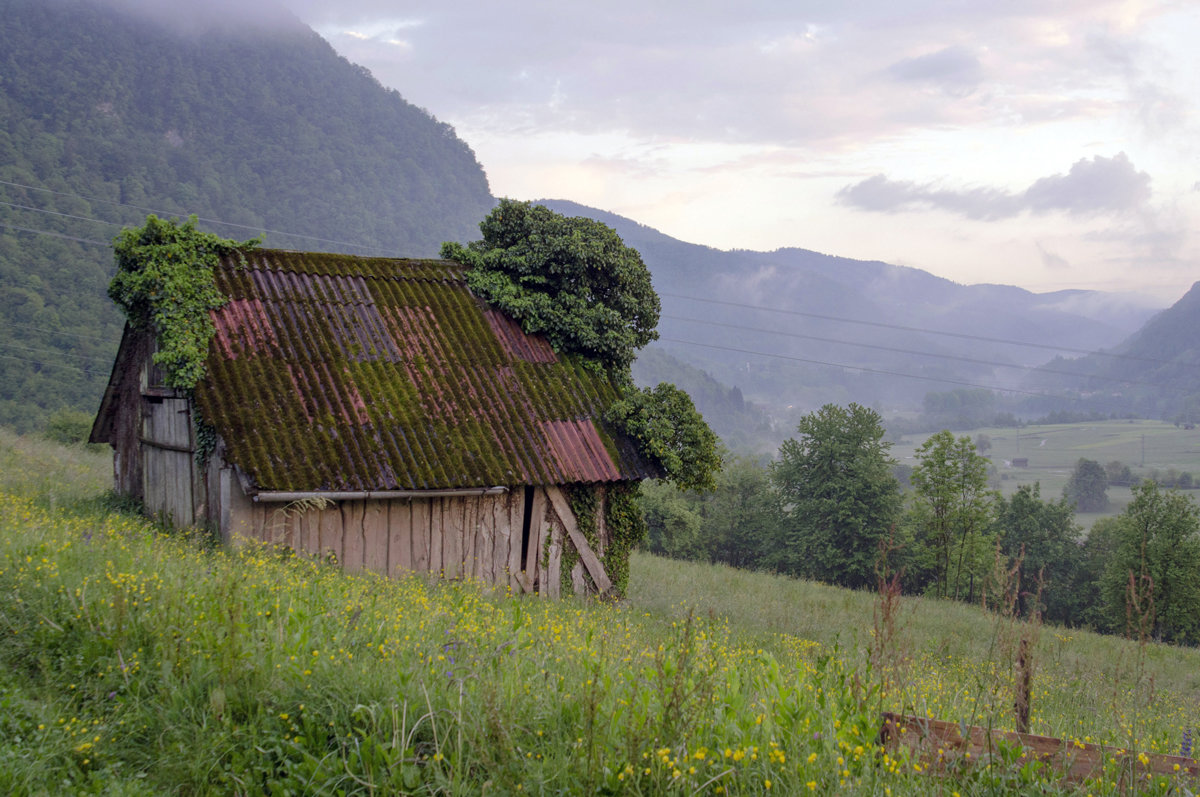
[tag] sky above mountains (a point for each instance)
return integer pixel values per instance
(1045, 144)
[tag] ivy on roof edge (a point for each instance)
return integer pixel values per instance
(165, 284)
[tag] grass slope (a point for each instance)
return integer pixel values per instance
(138, 662)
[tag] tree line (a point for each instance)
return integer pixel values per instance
(829, 507)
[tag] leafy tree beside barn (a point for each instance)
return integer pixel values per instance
(953, 510)
(574, 281)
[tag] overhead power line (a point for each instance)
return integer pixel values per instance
(743, 305)
(80, 335)
(880, 371)
(50, 363)
(52, 352)
(922, 330)
(62, 215)
(894, 350)
(54, 234)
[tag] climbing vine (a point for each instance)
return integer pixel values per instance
(625, 525)
(165, 284)
(626, 531)
(583, 499)
(205, 437)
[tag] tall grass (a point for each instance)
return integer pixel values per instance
(1088, 686)
(140, 662)
(51, 473)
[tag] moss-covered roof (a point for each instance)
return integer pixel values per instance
(332, 372)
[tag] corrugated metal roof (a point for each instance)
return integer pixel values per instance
(330, 372)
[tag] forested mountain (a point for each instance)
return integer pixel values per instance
(1154, 373)
(854, 330)
(105, 115)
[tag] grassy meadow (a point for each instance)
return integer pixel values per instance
(137, 661)
(1053, 450)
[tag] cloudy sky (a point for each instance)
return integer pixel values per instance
(1045, 143)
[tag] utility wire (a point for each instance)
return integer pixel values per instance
(868, 370)
(88, 357)
(63, 215)
(52, 331)
(799, 313)
(67, 366)
(963, 335)
(973, 360)
(55, 234)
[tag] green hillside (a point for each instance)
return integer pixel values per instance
(105, 116)
(138, 662)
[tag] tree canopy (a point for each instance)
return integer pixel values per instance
(668, 429)
(836, 480)
(1151, 583)
(953, 508)
(1088, 486)
(1041, 535)
(569, 278)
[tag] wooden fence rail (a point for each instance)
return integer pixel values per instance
(940, 744)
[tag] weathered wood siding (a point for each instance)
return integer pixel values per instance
(476, 537)
(458, 537)
(127, 415)
(169, 475)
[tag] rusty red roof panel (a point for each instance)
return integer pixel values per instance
(578, 450)
(531, 348)
(330, 372)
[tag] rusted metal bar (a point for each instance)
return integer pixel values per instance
(360, 495)
(940, 744)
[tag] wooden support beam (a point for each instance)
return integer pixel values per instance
(510, 516)
(563, 509)
(400, 538)
(534, 574)
(420, 531)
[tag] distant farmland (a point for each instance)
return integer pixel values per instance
(1052, 451)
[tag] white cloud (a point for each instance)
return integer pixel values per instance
(1097, 186)
(777, 123)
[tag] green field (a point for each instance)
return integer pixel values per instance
(1052, 451)
(142, 662)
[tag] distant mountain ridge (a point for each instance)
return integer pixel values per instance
(884, 348)
(1155, 372)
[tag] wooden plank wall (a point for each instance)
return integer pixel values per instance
(476, 537)
(169, 477)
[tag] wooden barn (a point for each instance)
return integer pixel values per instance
(374, 409)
